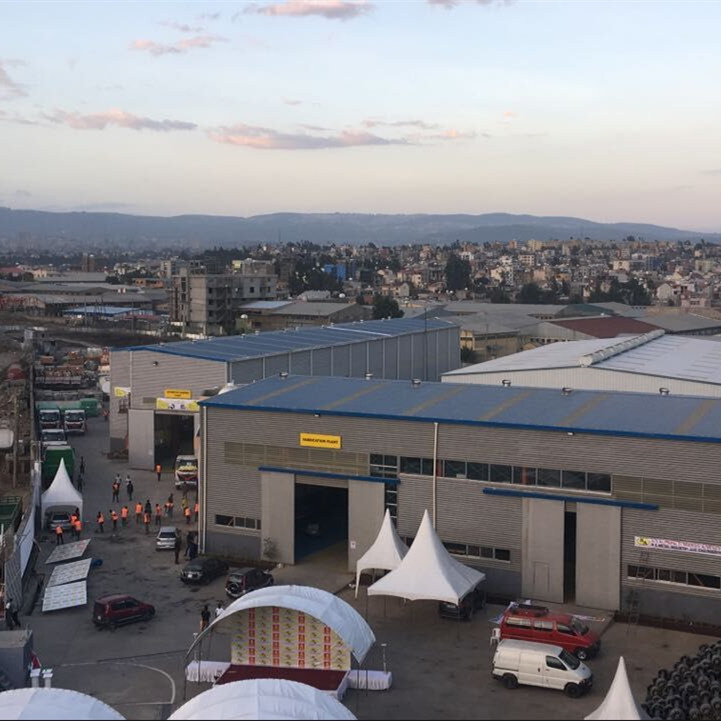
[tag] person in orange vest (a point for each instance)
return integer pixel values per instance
(169, 506)
(100, 519)
(158, 470)
(197, 510)
(59, 533)
(187, 514)
(114, 519)
(138, 512)
(78, 528)
(146, 521)
(124, 513)
(158, 515)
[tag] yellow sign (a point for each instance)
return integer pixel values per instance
(313, 440)
(178, 394)
(119, 392)
(172, 404)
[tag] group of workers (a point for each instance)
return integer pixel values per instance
(76, 528)
(145, 513)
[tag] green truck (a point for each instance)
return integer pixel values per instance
(51, 462)
(89, 405)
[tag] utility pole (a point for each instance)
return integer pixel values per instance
(15, 441)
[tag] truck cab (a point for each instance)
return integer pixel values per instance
(74, 421)
(186, 471)
(52, 437)
(49, 419)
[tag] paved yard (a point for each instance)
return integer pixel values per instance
(441, 668)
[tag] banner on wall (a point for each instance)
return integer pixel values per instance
(120, 392)
(177, 394)
(173, 404)
(663, 544)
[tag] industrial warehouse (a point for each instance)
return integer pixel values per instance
(605, 499)
(155, 389)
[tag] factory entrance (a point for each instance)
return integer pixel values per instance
(321, 518)
(174, 436)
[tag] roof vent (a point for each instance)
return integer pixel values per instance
(566, 391)
(506, 383)
(369, 376)
(416, 382)
(663, 391)
(283, 374)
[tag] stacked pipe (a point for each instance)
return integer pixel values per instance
(691, 689)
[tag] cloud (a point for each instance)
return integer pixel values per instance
(712, 171)
(329, 9)
(290, 101)
(510, 114)
(20, 193)
(181, 46)
(182, 27)
(373, 123)
(250, 136)
(448, 4)
(8, 87)
(119, 118)
(209, 16)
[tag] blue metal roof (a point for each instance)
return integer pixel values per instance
(236, 347)
(684, 418)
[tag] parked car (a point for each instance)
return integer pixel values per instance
(473, 601)
(186, 471)
(113, 611)
(538, 664)
(244, 580)
(539, 625)
(203, 570)
(53, 520)
(165, 540)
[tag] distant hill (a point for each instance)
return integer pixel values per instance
(201, 231)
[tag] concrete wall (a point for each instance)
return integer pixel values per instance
(542, 547)
(598, 557)
(141, 439)
(366, 508)
(278, 514)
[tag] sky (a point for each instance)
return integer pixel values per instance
(604, 110)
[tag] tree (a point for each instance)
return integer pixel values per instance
(468, 355)
(531, 293)
(386, 307)
(458, 273)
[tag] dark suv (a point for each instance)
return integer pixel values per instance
(112, 611)
(473, 601)
(203, 570)
(244, 580)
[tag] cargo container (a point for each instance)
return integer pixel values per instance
(51, 462)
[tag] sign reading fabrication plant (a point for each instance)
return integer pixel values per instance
(315, 440)
(178, 394)
(171, 404)
(663, 544)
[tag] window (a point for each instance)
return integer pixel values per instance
(472, 551)
(501, 474)
(561, 628)
(519, 622)
(454, 469)
(549, 477)
(477, 471)
(411, 465)
(599, 482)
(502, 554)
(486, 552)
(543, 625)
(524, 476)
(684, 578)
(574, 480)
(391, 500)
(238, 522)
(224, 520)
(383, 466)
(457, 549)
(553, 662)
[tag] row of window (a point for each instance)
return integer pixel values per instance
(383, 466)
(238, 522)
(666, 575)
(470, 551)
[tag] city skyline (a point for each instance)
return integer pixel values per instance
(590, 109)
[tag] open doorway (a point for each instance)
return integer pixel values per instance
(321, 518)
(174, 436)
(569, 556)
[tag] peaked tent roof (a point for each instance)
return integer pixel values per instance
(54, 704)
(62, 492)
(385, 554)
(331, 610)
(428, 572)
(267, 699)
(619, 702)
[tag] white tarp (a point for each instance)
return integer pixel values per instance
(68, 551)
(267, 699)
(428, 572)
(70, 572)
(54, 704)
(324, 606)
(62, 492)
(619, 702)
(385, 554)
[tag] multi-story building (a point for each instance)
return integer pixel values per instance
(204, 299)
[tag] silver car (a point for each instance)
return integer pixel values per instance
(165, 540)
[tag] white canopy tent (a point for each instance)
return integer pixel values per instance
(385, 554)
(324, 606)
(619, 702)
(428, 572)
(269, 699)
(54, 704)
(62, 492)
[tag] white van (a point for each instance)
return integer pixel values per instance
(540, 664)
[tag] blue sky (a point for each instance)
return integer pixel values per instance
(606, 110)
